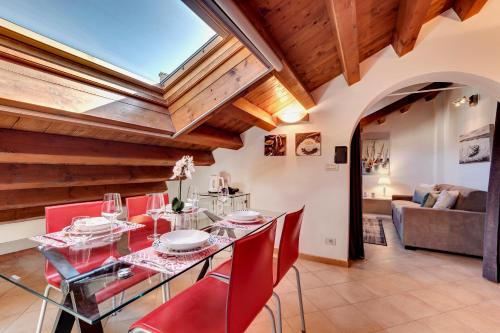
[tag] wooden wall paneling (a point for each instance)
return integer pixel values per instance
(257, 12)
(196, 74)
(26, 176)
(223, 68)
(467, 8)
(213, 137)
(411, 16)
(343, 21)
(19, 215)
(250, 113)
(219, 92)
(41, 148)
(224, 121)
(87, 129)
(21, 86)
(36, 58)
(18, 199)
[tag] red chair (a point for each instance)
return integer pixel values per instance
(138, 205)
(288, 253)
(59, 217)
(215, 305)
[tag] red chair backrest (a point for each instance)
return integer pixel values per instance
(251, 283)
(138, 205)
(58, 217)
(288, 251)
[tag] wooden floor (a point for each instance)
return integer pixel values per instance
(393, 291)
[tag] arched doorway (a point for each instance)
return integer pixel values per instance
(491, 230)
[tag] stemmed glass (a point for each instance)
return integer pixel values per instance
(111, 206)
(193, 197)
(155, 208)
(223, 197)
(79, 252)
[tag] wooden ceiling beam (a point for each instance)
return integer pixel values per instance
(26, 176)
(41, 148)
(213, 137)
(287, 75)
(411, 16)
(250, 113)
(404, 102)
(344, 26)
(18, 199)
(467, 8)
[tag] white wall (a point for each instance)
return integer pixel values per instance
(447, 50)
(452, 122)
(424, 143)
(412, 152)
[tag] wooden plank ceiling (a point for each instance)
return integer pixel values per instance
(324, 38)
(72, 128)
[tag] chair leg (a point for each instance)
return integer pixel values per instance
(41, 317)
(301, 305)
(165, 289)
(278, 304)
(271, 314)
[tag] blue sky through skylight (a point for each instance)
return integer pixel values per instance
(144, 37)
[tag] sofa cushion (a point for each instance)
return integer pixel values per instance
(430, 200)
(397, 206)
(446, 199)
(469, 199)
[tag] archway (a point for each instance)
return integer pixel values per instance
(491, 252)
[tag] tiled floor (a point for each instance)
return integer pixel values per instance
(392, 291)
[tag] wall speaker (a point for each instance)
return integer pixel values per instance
(340, 154)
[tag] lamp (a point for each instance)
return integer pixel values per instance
(292, 113)
(384, 181)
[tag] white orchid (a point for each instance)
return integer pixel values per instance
(183, 168)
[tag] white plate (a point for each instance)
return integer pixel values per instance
(257, 220)
(244, 215)
(187, 207)
(181, 240)
(110, 228)
(160, 247)
(92, 224)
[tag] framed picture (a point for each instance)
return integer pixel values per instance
(475, 146)
(308, 144)
(275, 145)
(375, 153)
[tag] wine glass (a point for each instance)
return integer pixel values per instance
(155, 208)
(111, 206)
(193, 197)
(223, 197)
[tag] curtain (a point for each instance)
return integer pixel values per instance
(356, 248)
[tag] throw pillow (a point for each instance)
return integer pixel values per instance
(430, 200)
(420, 195)
(446, 199)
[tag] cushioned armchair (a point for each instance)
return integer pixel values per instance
(459, 229)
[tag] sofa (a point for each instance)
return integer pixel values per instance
(458, 230)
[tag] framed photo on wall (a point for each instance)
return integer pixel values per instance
(475, 146)
(375, 153)
(308, 144)
(275, 145)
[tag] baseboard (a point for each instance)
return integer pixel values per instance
(323, 260)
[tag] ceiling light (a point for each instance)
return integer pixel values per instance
(292, 113)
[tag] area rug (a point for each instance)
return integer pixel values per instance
(373, 231)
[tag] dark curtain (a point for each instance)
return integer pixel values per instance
(491, 253)
(356, 248)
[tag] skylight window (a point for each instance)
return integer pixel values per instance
(142, 37)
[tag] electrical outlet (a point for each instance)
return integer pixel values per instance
(330, 241)
(332, 167)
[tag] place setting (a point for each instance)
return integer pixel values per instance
(176, 250)
(242, 219)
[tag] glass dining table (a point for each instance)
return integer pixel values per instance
(90, 274)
